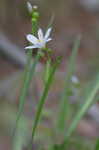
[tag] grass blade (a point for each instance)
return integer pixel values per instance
(43, 98)
(88, 101)
(29, 72)
(64, 105)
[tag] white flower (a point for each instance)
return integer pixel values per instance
(75, 80)
(39, 42)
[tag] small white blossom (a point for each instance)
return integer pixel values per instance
(39, 42)
(75, 80)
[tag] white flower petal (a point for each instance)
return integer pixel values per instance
(47, 34)
(31, 38)
(41, 45)
(40, 35)
(31, 47)
(48, 39)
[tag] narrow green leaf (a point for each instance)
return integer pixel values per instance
(27, 79)
(88, 101)
(43, 98)
(64, 104)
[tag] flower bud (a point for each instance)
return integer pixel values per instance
(35, 15)
(35, 7)
(29, 7)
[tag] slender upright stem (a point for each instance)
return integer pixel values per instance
(43, 98)
(28, 75)
(29, 69)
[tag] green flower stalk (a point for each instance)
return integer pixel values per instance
(47, 70)
(29, 69)
(43, 98)
(40, 44)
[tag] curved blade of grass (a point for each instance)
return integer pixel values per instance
(64, 105)
(43, 98)
(88, 101)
